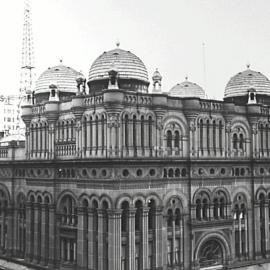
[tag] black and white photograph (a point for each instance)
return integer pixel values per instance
(135, 135)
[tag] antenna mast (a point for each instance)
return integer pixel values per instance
(27, 65)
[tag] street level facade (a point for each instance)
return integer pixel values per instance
(114, 176)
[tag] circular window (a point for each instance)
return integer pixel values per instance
(152, 172)
(125, 173)
(104, 172)
(222, 171)
(139, 172)
(212, 171)
(94, 172)
(84, 172)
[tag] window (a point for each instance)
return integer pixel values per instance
(169, 139)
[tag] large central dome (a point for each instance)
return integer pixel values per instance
(131, 71)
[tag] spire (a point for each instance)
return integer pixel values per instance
(27, 65)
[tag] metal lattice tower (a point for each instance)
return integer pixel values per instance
(27, 66)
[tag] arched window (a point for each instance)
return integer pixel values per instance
(169, 139)
(241, 141)
(134, 132)
(220, 135)
(261, 129)
(216, 206)
(222, 207)
(150, 132)
(176, 139)
(235, 139)
(138, 216)
(151, 214)
(103, 133)
(177, 217)
(198, 209)
(208, 135)
(201, 135)
(126, 131)
(124, 216)
(214, 137)
(97, 141)
(205, 208)
(142, 132)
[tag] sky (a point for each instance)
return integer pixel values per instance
(167, 35)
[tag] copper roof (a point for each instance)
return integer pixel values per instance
(239, 84)
(128, 65)
(64, 77)
(187, 89)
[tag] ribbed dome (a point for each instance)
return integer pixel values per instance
(187, 89)
(239, 84)
(127, 64)
(64, 77)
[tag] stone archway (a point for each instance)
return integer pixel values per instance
(211, 255)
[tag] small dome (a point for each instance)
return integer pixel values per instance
(239, 84)
(187, 89)
(156, 76)
(128, 65)
(64, 77)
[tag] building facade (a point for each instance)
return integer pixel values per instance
(117, 177)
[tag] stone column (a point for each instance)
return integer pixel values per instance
(257, 231)
(81, 239)
(9, 222)
(15, 232)
(36, 233)
(83, 139)
(43, 257)
(145, 212)
(88, 139)
(101, 239)
(267, 234)
(52, 237)
(28, 232)
(131, 238)
(114, 239)
(157, 251)
(94, 138)
(91, 236)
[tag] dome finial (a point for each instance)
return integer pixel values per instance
(186, 77)
(61, 61)
(248, 65)
(117, 43)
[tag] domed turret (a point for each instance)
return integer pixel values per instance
(64, 79)
(187, 89)
(239, 87)
(157, 78)
(130, 71)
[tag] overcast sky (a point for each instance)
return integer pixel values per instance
(164, 34)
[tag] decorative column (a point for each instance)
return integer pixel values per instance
(114, 239)
(131, 238)
(228, 142)
(101, 240)
(43, 257)
(15, 232)
(145, 212)
(52, 237)
(254, 140)
(9, 221)
(158, 238)
(257, 231)
(36, 233)
(81, 239)
(28, 232)
(83, 139)
(91, 259)
(94, 137)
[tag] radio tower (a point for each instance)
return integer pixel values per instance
(27, 64)
(27, 52)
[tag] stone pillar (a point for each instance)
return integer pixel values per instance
(10, 224)
(36, 232)
(94, 138)
(91, 236)
(15, 232)
(157, 251)
(145, 212)
(257, 232)
(88, 139)
(83, 139)
(43, 254)
(52, 237)
(101, 239)
(131, 238)
(114, 239)
(81, 239)
(267, 234)
(250, 233)
(28, 232)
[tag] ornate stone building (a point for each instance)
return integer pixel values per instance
(119, 177)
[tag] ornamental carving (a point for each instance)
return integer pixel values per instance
(228, 128)
(113, 121)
